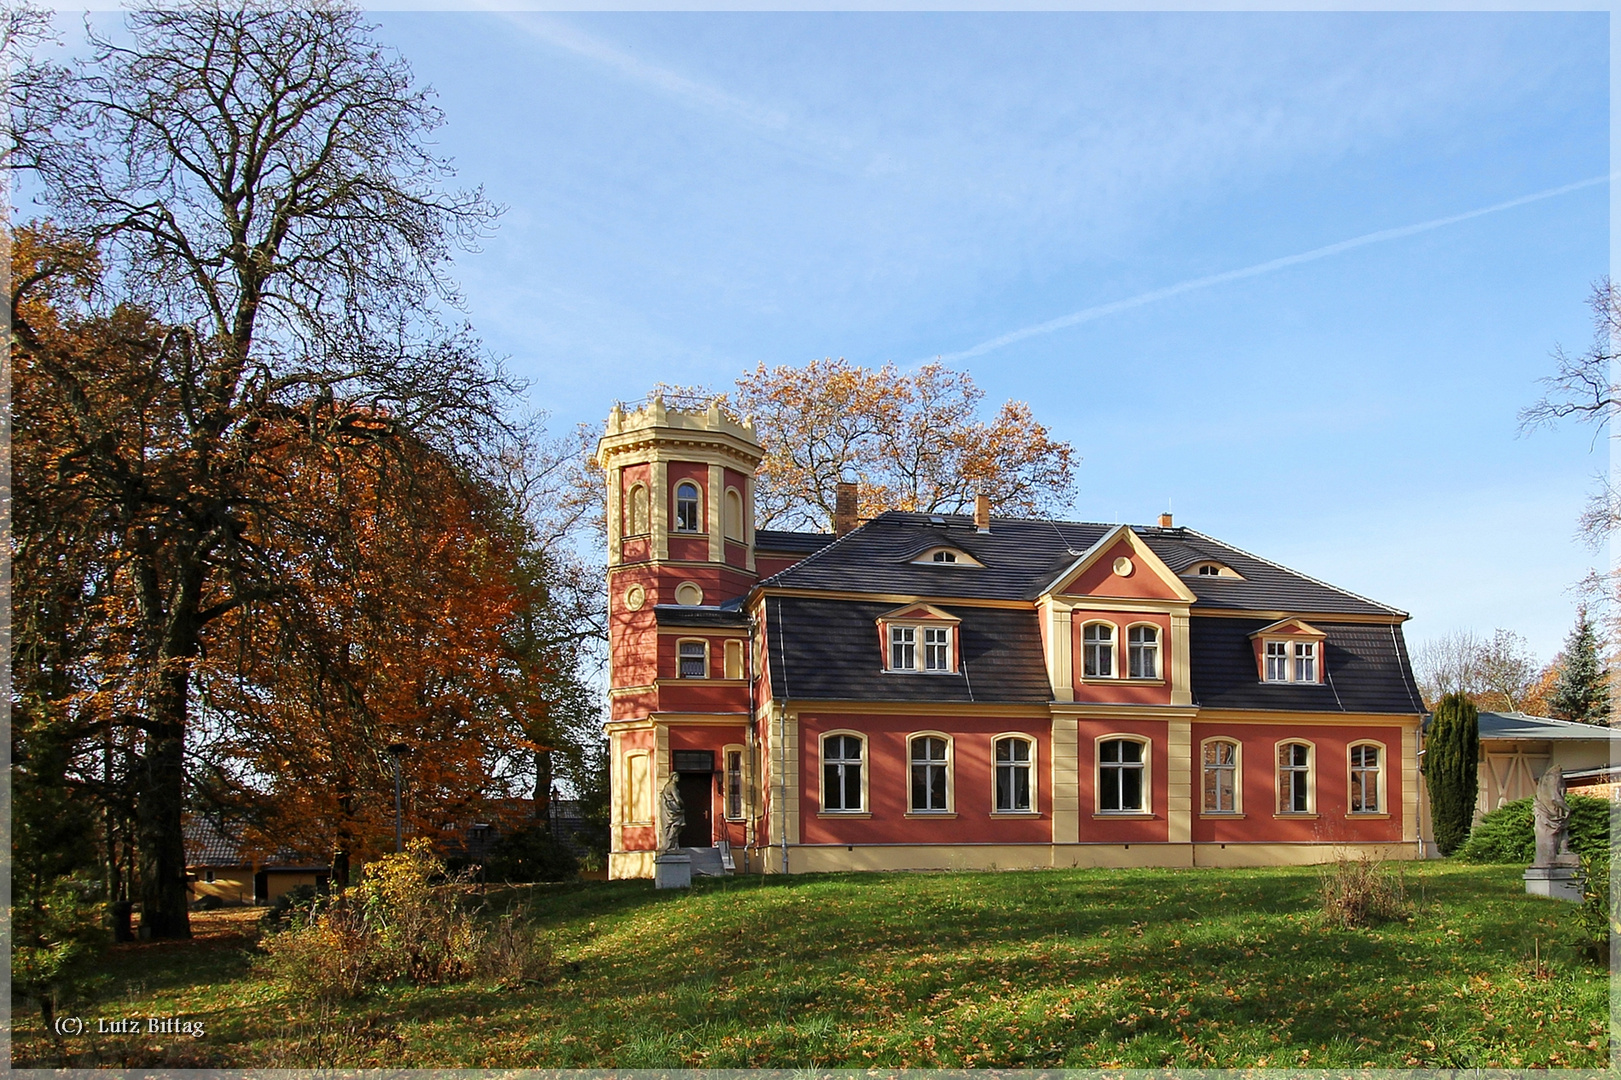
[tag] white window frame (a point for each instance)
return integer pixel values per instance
(1236, 768)
(1309, 769)
(1029, 767)
(1145, 768)
(680, 644)
(918, 648)
(1113, 650)
(1153, 649)
(947, 765)
(1286, 651)
(697, 504)
(862, 762)
(1382, 809)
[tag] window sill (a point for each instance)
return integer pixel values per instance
(1118, 680)
(1367, 815)
(1293, 682)
(844, 813)
(931, 813)
(1122, 815)
(916, 671)
(1221, 815)
(1015, 813)
(1295, 814)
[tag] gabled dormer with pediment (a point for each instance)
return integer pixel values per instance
(1115, 626)
(920, 639)
(1289, 651)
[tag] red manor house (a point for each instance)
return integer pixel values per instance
(932, 691)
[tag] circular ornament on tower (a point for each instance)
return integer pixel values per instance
(1122, 566)
(635, 597)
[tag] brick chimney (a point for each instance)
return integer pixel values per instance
(982, 512)
(1165, 520)
(844, 508)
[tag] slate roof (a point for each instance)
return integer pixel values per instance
(714, 617)
(208, 845)
(799, 543)
(1022, 558)
(1495, 725)
(1365, 666)
(831, 651)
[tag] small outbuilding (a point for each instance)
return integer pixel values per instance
(1516, 749)
(216, 866)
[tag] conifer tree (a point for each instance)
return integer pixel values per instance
(1452, 753)
(1583, 691)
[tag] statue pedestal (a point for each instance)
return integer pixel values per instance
(1562, 881)
(675, 872)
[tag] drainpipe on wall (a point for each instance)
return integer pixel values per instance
(782, 780)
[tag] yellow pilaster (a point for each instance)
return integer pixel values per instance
(616, 529)
(1181, 653)
(1410, 780)
(716, 507)
(1066, 780)
(1060, 652)
(659, 507)
(1179, 780)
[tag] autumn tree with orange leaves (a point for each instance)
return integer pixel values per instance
(259, 181)
(910, 442)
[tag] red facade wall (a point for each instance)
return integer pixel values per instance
(1333, 822)
(1107, 828)
(889, 781)
(1120, 689)
(1099, 579)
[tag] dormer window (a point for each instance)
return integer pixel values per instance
(944, 556)
(1212, 569)
(920, 638)
(1290, 651)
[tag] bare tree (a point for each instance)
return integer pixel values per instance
(1448, 665)
(258, 180)
(1506, 670)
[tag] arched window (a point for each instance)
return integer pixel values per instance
(931, 774)
(636, 511)
(1014, 757)
(734, 515)
(1122, 776)
(1221, 789)
(686, 507)
(1367, 778)
(1142, 652)
(1295, 794)
(1097, 651)
(842, 784)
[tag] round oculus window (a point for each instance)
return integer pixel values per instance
(1122, 566)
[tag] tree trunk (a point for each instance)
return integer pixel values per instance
(160, 837)
(340, 870)
(543, 788)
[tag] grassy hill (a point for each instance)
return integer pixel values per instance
(1081, 968)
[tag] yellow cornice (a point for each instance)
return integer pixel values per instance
(737, 632)
(800, 706)
(893, 598)
(1267, 716)
(1238, 613)
(1095, 711)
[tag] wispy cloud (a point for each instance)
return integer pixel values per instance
(1099, 311)
(669, 83)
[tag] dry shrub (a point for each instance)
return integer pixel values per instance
(1360, 892)
(407, 919)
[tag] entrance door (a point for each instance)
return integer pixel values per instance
(697, 802)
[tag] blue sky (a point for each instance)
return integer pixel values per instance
(690, 194)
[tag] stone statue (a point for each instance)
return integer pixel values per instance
(1552, 820)
(673, 815)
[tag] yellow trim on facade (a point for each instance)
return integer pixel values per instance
(1066, 779)
(715, 497)
(1179, 780)
(1181, 659)
(1239, 613)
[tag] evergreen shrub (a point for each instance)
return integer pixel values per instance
(1508, 834)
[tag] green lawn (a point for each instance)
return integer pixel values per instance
(1081, 968)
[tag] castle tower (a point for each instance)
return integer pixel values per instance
(680, 517)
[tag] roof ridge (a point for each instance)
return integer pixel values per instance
(1297, 573)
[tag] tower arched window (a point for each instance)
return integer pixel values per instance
(686, 507)
(734, 515)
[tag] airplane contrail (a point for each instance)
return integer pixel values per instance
(1088, 314)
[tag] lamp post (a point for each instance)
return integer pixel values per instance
(397, 751)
